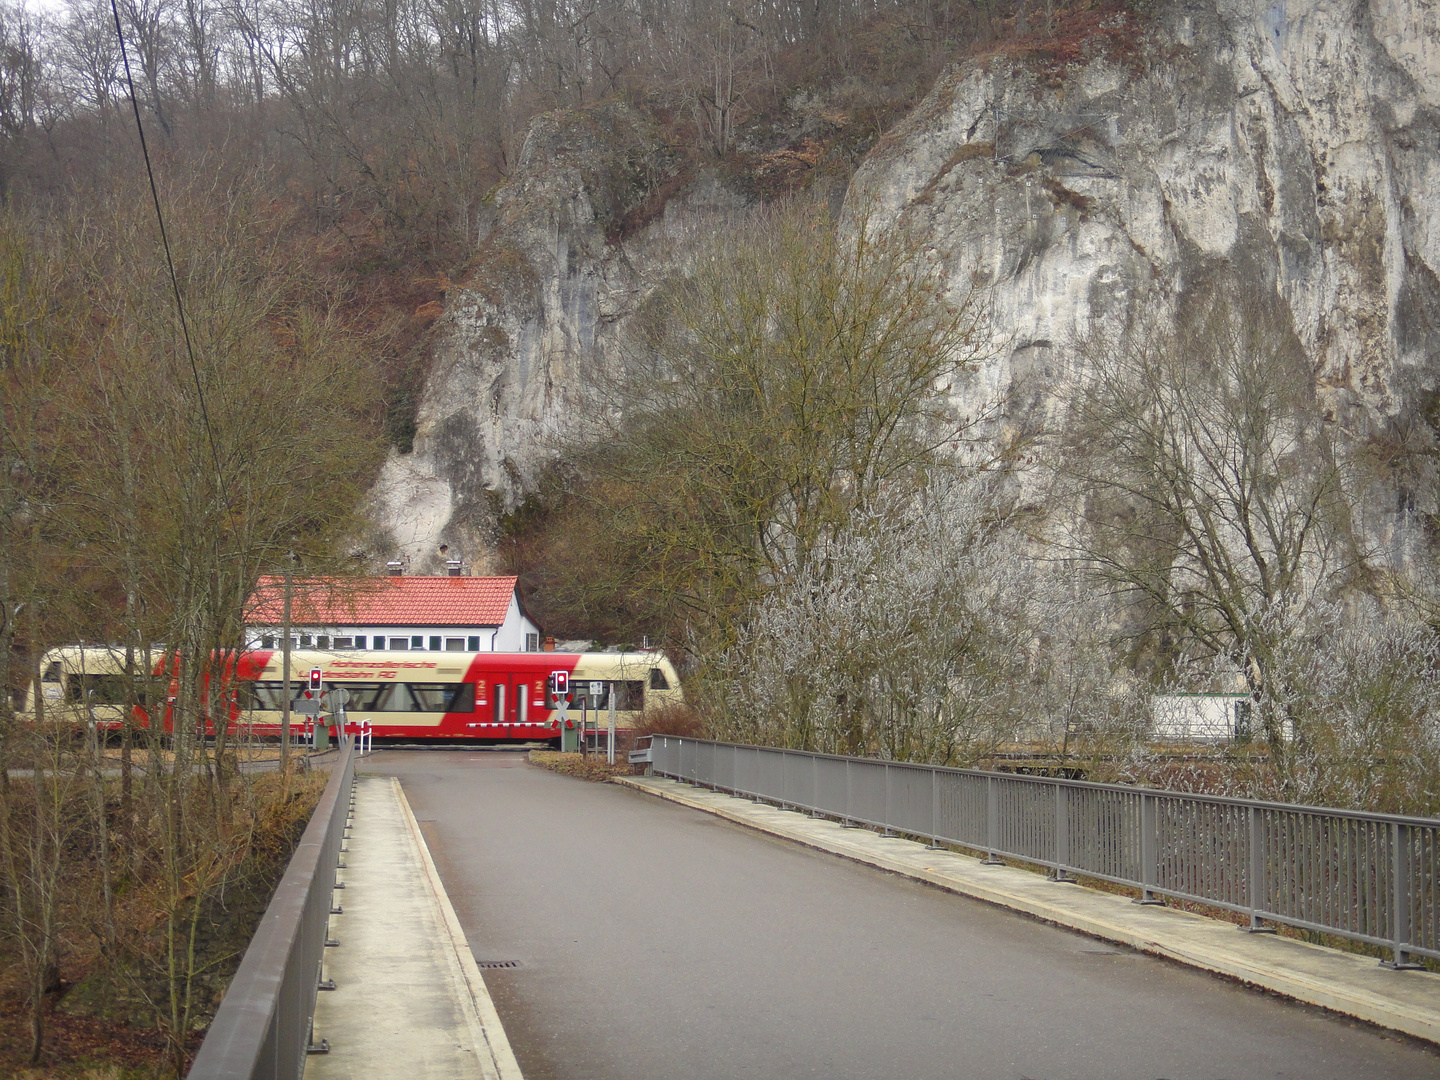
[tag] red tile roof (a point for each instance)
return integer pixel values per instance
(385, 601)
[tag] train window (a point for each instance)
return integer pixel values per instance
(97, 689)
(630, 695)
(270, 696)
(658, 680)
(367, 697)
(596, 693)
(443, 697)
(411, 697)
(52, 672)
(454, 644)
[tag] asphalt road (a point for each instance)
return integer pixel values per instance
(654, 941)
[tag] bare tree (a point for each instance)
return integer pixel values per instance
(1214, 490)
(200, 456)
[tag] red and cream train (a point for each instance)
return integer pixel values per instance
(403, 695)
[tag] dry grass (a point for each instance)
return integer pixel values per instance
(583, 766)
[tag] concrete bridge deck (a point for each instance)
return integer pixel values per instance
(642, 939)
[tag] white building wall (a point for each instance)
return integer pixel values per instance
(516, 634)
(513, 631)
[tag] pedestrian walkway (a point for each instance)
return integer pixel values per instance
(1357, 986)
(409, 1002)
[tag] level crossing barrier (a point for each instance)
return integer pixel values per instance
(262, 1030)
(1366, 877)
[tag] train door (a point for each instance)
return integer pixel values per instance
(510, 706)
(530, 718)
(500, 706)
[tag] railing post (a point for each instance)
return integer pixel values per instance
(1400, 958)
(992, 824)
(934, 808)
(1062, 834)
(1255, 873)
(847, 823)
(1149, 843)
(885, 765)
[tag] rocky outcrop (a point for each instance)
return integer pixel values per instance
(595, 216)
(1072, 175)
(1293, 144)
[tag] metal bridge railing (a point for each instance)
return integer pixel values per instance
(263, 1027)
(1366, 877)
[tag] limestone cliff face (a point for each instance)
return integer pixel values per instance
(548, 292)
(1297, 141)
(1294, 142)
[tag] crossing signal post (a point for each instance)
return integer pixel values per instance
(560, 691)
(313, 694)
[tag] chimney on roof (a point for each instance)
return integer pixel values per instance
(396, 567)
(549, 644)
(452, 568)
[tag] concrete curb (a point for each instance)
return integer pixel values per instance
(1355, 986)
(485, 1021)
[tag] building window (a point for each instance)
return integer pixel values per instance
(323, 641)
(434, 644)
(454, 644)
(475, 643)
(418, 641)
(268, 641)
(344, 643)
(399, 643)
(532, 642)
(360, 641)
(305, 641)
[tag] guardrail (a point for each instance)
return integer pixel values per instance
(1366, 877)
(263, 1027)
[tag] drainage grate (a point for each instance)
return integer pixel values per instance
(497, 963)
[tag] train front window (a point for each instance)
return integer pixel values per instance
(658, 680)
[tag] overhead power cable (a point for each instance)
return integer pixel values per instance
(165, 242)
